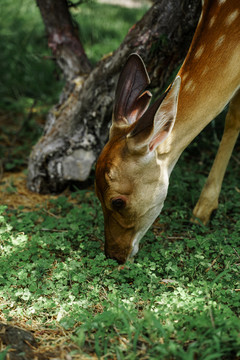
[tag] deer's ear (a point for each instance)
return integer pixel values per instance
(131, 101)
(157, 122)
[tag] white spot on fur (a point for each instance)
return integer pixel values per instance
(190, 86)
(212, 21)
(231, 17)
(219, 42)
(205, 70)
(184, 76)
(199, 52)
(221, 2)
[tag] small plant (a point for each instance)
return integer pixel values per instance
(178, 300)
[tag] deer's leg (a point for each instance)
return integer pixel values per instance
(208, 200)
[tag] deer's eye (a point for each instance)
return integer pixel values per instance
(118, 204)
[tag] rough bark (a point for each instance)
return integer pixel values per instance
(77, 127)
(63, 38)
(21, 343)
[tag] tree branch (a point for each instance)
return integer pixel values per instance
(63, 38)
(77, 127)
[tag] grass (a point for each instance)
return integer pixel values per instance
(178, 300)
(100, 36)
(30, 80)
(25, 74)
(28, 74)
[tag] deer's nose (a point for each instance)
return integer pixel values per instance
(120, 258)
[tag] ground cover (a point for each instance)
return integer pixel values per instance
(179, 299)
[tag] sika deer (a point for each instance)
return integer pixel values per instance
(133, 170)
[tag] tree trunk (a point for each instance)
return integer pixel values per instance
(63, 38)
(77, 127)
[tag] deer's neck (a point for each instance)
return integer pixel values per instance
(210, 76)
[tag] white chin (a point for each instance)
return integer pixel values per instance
(134, 250)
(135, 244)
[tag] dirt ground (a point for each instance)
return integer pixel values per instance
(38, 343)
(35, 341)
(14, 192)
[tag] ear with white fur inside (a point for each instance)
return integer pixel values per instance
(157, 122)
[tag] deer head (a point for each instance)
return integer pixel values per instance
(131, 177)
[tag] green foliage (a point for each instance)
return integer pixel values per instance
(17, 136)
(25, 75)
(178, 300)
(3, 353)
(30, 79)
(102, 27)
(28, 73)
